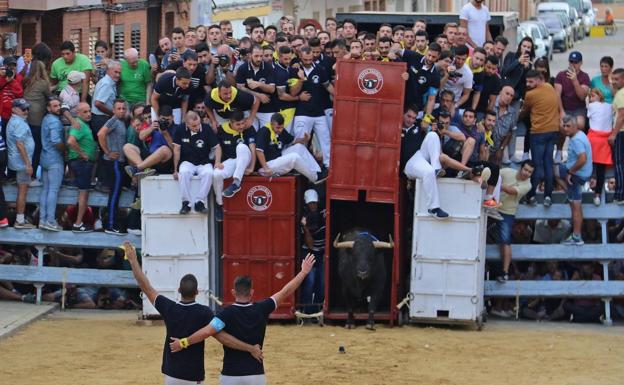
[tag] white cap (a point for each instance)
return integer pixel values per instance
(74, 77)
(310, 196)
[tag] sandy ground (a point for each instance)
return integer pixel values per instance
(102, 348)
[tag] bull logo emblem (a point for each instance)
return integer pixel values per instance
(259, 198)
(370, 81)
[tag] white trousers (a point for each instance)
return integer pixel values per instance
(258, 379)
(329, 115)
(262, 119)
(231, 168)
(177, 116)
(296, 157)
(187, 171)
(305, 124)
(176, 381)
(423, 165)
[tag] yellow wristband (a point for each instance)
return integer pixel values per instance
(184, 342)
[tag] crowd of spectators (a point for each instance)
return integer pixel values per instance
(207, 104)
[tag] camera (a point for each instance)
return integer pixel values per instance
(224, 60)
(9, 73)
(243, 52)
(455, 74)
(439, 126)
(163, 123)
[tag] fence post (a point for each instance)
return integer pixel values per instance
(39, 286)
(605, 273)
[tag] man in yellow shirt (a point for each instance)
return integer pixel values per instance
(616, 139)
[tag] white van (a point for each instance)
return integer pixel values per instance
(560, 7)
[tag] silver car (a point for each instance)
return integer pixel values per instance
(532, 30)
(545, 36)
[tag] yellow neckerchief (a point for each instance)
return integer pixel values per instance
(229, 130)
(474, 71)
(488, 137)
(264, 43)
(214, 95)
(423, 52)
(275, 56)
(273, 134)
(384, 58)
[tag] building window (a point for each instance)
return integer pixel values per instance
(375, 5)
(169, 20)
(135, 37)
(329, 12)
(29, 35)
(75, 36)
(119, 41)
(94, 36)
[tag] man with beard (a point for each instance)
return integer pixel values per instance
(256, 77)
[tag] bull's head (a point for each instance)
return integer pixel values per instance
(363, 249)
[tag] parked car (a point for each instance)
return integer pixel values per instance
(546, 37)
(531, 30)
(577, 22)
(589, 16)
(566, 10)
(561, 39)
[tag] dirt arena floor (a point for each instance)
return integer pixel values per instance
(99, 348)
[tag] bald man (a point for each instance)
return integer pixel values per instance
(136, 78)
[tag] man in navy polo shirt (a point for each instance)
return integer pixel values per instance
(172, 89)
(184, 318)
(256, 77)
(197, 87)
(288, 82)
(245, 320)
(193, 143)
(310, 114)
(223, 100)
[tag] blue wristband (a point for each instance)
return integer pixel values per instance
(217, 324)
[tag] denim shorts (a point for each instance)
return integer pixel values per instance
(22, 177)
(504, 229)
(575, 190)
(82, 170)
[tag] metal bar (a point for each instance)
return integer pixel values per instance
(588, 252)
(584, 289)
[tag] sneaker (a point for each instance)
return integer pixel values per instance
(463, 175)
(53, 226)
(24, 225)
(494, 214)
(506, 159)
(231, 190)
(134, 231)
(81, 228)
(29, 298)
(218, 213)
(491, 203)
(618, 202)
(596, 200)
(438, 213)
(186, 208)
(572, 240)
(321, 176)
(440, 173)
(477, 170)
(199, 207)
(35, 183)
(136, 204)
(131, 170)
(485, 175)
(43, 225)
(144, 173)
(532, 201)
(502, 278)
(114, 231)
(517, 159)
(4, 222)
(500, 313)
(547, 201)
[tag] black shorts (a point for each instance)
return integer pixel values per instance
(83, 170)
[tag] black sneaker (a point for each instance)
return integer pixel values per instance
(231, 190)
(186, 208)
(218, 213)
(321, 176)
(438, 213)
(131, 170)
(81, 228)
(115, 231)
(503, 278)
(200, 207)
(477, 170)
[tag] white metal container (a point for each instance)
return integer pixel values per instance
(174, 245)
(448, 257)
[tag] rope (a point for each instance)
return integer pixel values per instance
(404, 302)
(299, 314)
(215, 298)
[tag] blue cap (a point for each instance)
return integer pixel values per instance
(575, 56)
(21, 103)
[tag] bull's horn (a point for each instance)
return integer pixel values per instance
(384, 245)
(342, 245)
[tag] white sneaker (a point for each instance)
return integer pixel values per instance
(35, 183)
(134, 231)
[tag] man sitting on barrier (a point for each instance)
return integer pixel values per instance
(238, 157)
(279, 153)
(193, 143)
(224, 99)
(422, 157)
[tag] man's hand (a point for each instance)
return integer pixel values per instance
(175, 345)
(84, 156)
(248, 123)
(612, 139)
(304, 222)
(301, 74)
(154, 67)
(256, 353)
(113, 155)
(75, 124)
(130, 251)
(569, 179)
(248, 171)
(264, 98)
(571, 73)
(252, 84)
(405, 76)
(266, 171)
(219, 165)
(175, 175)
(480, 127)
(308, 263)
(29, 170)
(305, 96)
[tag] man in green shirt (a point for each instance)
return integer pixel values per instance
(515, 185)
(71, 60)
(136, 78)
(82, 155)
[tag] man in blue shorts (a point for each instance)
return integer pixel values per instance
(184, 318)
(245, 320)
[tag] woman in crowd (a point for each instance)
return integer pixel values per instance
(600, 117)
(101, 61)
(603, 81)
(201, 34)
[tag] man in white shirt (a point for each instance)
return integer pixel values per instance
(476, 16)
(459, 80)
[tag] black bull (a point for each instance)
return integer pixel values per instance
(362, 272)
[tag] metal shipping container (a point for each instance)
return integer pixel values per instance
(448, 257)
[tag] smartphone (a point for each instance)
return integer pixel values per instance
(98, 59)
(229, 34)
(152, 59)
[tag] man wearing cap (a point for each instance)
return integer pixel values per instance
(104, 95)
(10, 88)
(572, 86)
(313, 231)
(21, 146)
(70, 95)
(71, 60)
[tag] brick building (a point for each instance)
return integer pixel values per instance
(122, 23)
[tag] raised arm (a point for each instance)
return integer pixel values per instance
(290, 287)
(138, 273)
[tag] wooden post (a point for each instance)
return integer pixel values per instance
(39, 286)
(605, 273)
